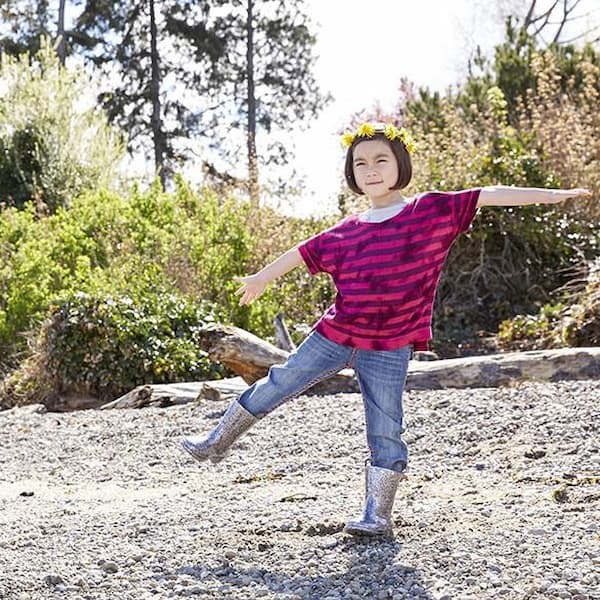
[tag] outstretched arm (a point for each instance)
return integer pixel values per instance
(504, 195)
(254, 285)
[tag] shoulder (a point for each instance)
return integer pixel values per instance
(337, 231)
(438, 197)
(346, 224)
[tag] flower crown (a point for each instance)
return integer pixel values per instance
(391, 132)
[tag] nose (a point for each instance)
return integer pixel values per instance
(371, 172)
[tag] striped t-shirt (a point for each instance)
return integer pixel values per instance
(386, 273)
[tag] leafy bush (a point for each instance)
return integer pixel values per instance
(575, 322)
(52, 147)
(104, 346)
(512, 259)
(109, 345)
(533, 332)
(191, 244)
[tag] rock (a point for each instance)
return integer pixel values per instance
(108, 566)
(53, 580)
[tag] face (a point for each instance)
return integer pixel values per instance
(376, 171)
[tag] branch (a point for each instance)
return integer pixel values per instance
(546, 16)
(529, 17)
(566, 12)
(583, 35)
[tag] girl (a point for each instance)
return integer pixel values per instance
(385, 263)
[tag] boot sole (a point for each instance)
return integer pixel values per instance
(368, 532)
(214, 459)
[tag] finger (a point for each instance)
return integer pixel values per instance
(246, 299)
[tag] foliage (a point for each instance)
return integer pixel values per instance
(103, 346)
(194, 243)
(533, 332)
(23, 26)
(277, 91)
(51, 146)
(112, 344)
(158, 79)
(528, 119)
(573, 322)
(185, 77)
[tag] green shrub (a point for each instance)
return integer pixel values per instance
(107, 345)
(574, 322)
(52, 147)
(190, 243)
(533, 332)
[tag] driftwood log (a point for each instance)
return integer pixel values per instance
(250, 357)
(282, 335)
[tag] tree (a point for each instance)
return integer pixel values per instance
(23, 24)
(51, 146)
(183, 72)
(121, 40)
(265, 78)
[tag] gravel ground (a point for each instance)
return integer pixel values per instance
(502, 501)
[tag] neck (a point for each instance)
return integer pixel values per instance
(389, 199)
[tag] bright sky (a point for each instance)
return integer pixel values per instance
(365, 47)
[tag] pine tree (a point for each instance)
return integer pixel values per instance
(158, 93)
(265, 76)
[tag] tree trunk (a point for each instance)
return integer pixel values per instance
(61, 49)
(251, 101)
(156, 121)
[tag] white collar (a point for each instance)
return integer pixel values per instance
(378, 215)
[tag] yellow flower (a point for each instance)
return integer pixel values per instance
(410, 147)
(365, 130)
(347, 139)
(407, 140)
(391, 132)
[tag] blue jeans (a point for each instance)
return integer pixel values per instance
(381, 375)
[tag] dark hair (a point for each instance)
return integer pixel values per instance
(402, 160)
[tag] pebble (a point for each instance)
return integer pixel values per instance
(484, 529)
(53, 580)
(109, 566)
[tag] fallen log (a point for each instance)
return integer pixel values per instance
(495, 370)
(250, 357)
(179, 393)
(244, 353)
(163, 395)
(240, 350)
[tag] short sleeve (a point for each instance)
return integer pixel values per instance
(309, 251)
(464, 208)
(321, 252)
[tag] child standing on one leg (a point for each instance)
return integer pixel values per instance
(385, 264)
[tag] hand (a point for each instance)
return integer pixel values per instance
(252, 287)
(560, 195)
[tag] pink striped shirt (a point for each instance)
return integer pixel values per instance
(386, 274)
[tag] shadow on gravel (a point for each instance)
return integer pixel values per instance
(352, 568)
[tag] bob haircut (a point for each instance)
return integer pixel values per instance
(399, 151)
